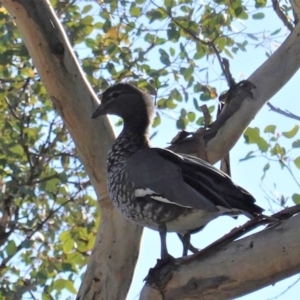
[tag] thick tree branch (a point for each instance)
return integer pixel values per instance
(268, 79)
(110, 269)
(229, 272)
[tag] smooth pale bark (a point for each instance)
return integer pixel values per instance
(238, 268)
(111, 266)
(268, 79)
(113, 261)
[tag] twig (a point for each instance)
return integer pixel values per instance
(197, 39)
(283, 292)
(229, 237)
(230, 80)
(240, 231)
(206, 115)
(285, 113)
(287, 212)
(224, 64)
(281, 15)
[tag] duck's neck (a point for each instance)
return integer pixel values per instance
(135, 138)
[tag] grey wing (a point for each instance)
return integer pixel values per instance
(149, 171)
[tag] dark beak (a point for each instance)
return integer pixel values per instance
(100, 111)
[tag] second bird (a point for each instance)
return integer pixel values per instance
(158, 188)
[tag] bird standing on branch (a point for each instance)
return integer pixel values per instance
(158, 188)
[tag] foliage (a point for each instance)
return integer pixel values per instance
(48, 218)
(270, 146)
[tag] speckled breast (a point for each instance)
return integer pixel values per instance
(141, 210)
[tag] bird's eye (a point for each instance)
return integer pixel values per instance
(115, 94)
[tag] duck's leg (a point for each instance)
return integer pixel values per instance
(189, 246)
(163, 240)
(186, 238)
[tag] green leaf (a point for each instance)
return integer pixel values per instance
(155, 15)
(91, 43)
(3, 94)
(172, 51)
(191, 116)
(164, 57)
(248, 156)
(265, 169)
(173, 33)
(238, 11)
(296, 198)
(182, 123)
(228, 53)
(171, 104)
(65, 160)
(17, 149)
(296, 144)
(270, 129)
(278, 150)
(169, 3)
(46, 296)
(243, 15)
(61, 284)
(88, 20)
(135, 11)
(70, 287)
(51, 185)
(201, 51)
(276, 31)
(65, 235)
(262, 145)
(176, 95)
(297, 162)
(28, 72)
(200, 121)
(291, 133)
(11, 248)
(86, 8)
(252, 136)
(258, 16)
(157, 120)
(252, 36)
(260, 3)
(68, 246)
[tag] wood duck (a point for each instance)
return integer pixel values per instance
(158, 188)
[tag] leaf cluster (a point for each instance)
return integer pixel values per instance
(48, 219)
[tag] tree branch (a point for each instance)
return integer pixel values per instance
(230, 271)
(281, 15)
(245, 104)
(285, 113)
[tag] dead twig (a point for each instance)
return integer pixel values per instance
(285, 113)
